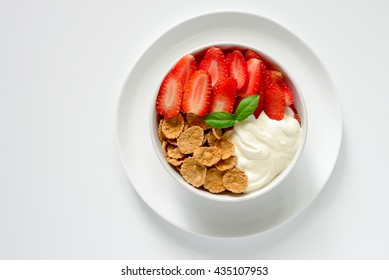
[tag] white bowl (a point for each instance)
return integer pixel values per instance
(228, 196)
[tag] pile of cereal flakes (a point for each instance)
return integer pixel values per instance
(203, 155)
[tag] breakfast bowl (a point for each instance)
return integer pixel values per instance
(259, 153)
(227, 215)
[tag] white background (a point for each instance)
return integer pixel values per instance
(63, 191)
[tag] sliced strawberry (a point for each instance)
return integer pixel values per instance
(261, 101)
(197, 95)
(214, 62)
(289, 97)
(169, 97)
(293, 108)
(297, 117)
(237, 67)
(184, 69)
(223, 96)
(248, 54)
(238, 99)
(255, 77)
(274, 103)
(273, 76)
(228, 56)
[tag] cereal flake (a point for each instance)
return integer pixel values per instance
(210, 138)
(235, 180)
(207, 156)
(214, 181)
(193, 172)
(195, 120)
(164, 147)
(172, 127)
(190, 139)
(226, 145)
(226, 164)
(174, 162)
(217, 132)
(161, 136)
(173, 152)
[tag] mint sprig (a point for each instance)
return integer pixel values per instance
(223, 120)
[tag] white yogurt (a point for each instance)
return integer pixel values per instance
(264, 147)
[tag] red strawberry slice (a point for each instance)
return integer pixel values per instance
(289, 97)
(238, 99)
(197, 95)
(261, 101)
(228, 56)
(214, 62)
(297, 117)
(184, 69)
(293, 108)
(169, 97)
(223, 96)
(273, 76)
(274, 103)
(248, 54)
(237, 67)
(255, 77)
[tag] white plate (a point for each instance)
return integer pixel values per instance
(181, 207)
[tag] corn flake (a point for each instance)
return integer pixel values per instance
(174, 162)
(195, 120)
(172, 127)
(172, 141)
(235, 180)
(226, 164)
(217, 132)
(173, 152)
(193, 172)
(164, 147)
(190, 139)
(210, 138)
(161, 136)
(214, 181)
(226, 145)
(207, 156)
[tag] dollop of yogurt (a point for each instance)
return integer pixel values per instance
(264, 147)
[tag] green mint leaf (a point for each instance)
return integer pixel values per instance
(247, 107)
(220, 119)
